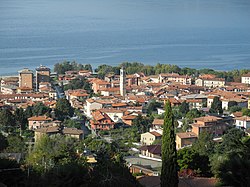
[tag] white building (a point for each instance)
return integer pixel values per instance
(242, 122)
(210, 82)
(245, 78)
(91, 105)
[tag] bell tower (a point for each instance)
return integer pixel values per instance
(122, 82)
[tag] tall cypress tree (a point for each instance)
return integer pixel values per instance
(216, 106)
(169, 175)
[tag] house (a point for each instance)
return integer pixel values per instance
(184, 139)
(115, 114)
(80, 95)
(237, 114)
(210, 82)
(245, 78)
(241, 102)
(119, 105)
(101, 121)
(195, 103)
(152, 152)
(110, 91)
(145, 170)
(84, 73)
(98, 84)
(8, 89)
(92, 105)
(175, 77)
(133, 79)
(22, 90)
(173, 101)
(128, 119)
(36, 122)
(210, 124)
(149, 137)
(242, 122)
(52, 130)
(157, 125)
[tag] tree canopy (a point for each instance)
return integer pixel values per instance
(61, 68)
(63, 109)
(7, 121)
(79, 83)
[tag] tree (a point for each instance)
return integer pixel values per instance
(40, 109)
(245, 111)
(29, 112)
(235, 171)
(63, 109)
(205, 144)
(16, 144)
(142, 123)
(50, 151)
(188, 158)
(21, 118)
(193, 113)
(231, 142)
(216, 106)
(72, 124)
(7, 121)
(79, 83)
(4, 142)
(184, 108)
(152, 106)
(233, 109)
(169, 175)
(61, 68)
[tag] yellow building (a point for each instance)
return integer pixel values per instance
(184, 139)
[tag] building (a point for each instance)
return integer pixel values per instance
(210, 124)
(98, 85)
(36, 122)
(157, 125)
(115, 114)
(26, 78)
(92, 105)
(245, 78)
(242, 122)
(128, 120)
(145, 170)
(152, 152)
(195, 103)
(149, 137)
(101, 121)
(52, 130)
(175, 77)
(8, 89)
(210, 82)
(184, 139)
(122, 82)
(42, 75)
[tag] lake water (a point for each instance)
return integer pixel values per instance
(189, 33)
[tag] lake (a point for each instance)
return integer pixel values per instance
(189, 33)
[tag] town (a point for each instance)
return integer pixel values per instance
(107, 124)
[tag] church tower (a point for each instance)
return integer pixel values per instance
(122, 82)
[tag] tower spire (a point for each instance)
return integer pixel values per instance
(122, 82)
